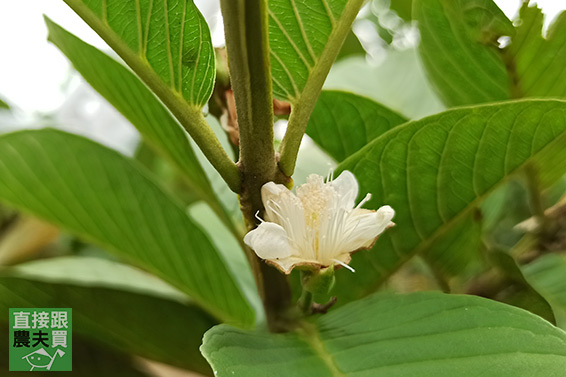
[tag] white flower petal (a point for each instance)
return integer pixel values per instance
(384, 215)
(346, 187)
(285, 209)
(272, 191)
(364, 226)
(287, 264)
(269, 241)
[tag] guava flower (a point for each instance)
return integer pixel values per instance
(318, 227)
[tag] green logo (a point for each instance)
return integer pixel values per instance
(40, 339)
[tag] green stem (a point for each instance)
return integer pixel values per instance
(303, 106)
(247, 44)
(190, 116)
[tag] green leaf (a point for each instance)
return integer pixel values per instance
(114, 305)
(451, 254)
(403, 8)
(167, 44)
(435, 171)
(305, 37)
(516, 289)
(85, 271)
(459, 49)
(132, 98)
(4, 105)
(351, 47)
(546, 275)
(538, 61)
(421, 334)
(109, 200)
(167, 41)
(342, 123)
(231, 249)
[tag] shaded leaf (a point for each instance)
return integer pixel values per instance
(459, 49)
(114, 305)
(398, 335)
(451, 254)
(342, 123)
(548, 276)
(109, 200)
(517, 291)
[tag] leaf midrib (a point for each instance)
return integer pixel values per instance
(312, 338)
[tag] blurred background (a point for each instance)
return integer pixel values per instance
(39, 88)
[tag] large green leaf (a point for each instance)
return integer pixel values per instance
(539, 62)
(109, 200)
(166, 42)
(305, 37)
(113, 304)
(459, 49)
(435, 171)
(342, 123)
(132, 98)
(421, 334)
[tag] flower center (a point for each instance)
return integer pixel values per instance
(316, 198)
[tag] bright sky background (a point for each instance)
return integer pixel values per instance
(33, 73)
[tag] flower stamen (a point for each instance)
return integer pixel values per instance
(344, 265)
